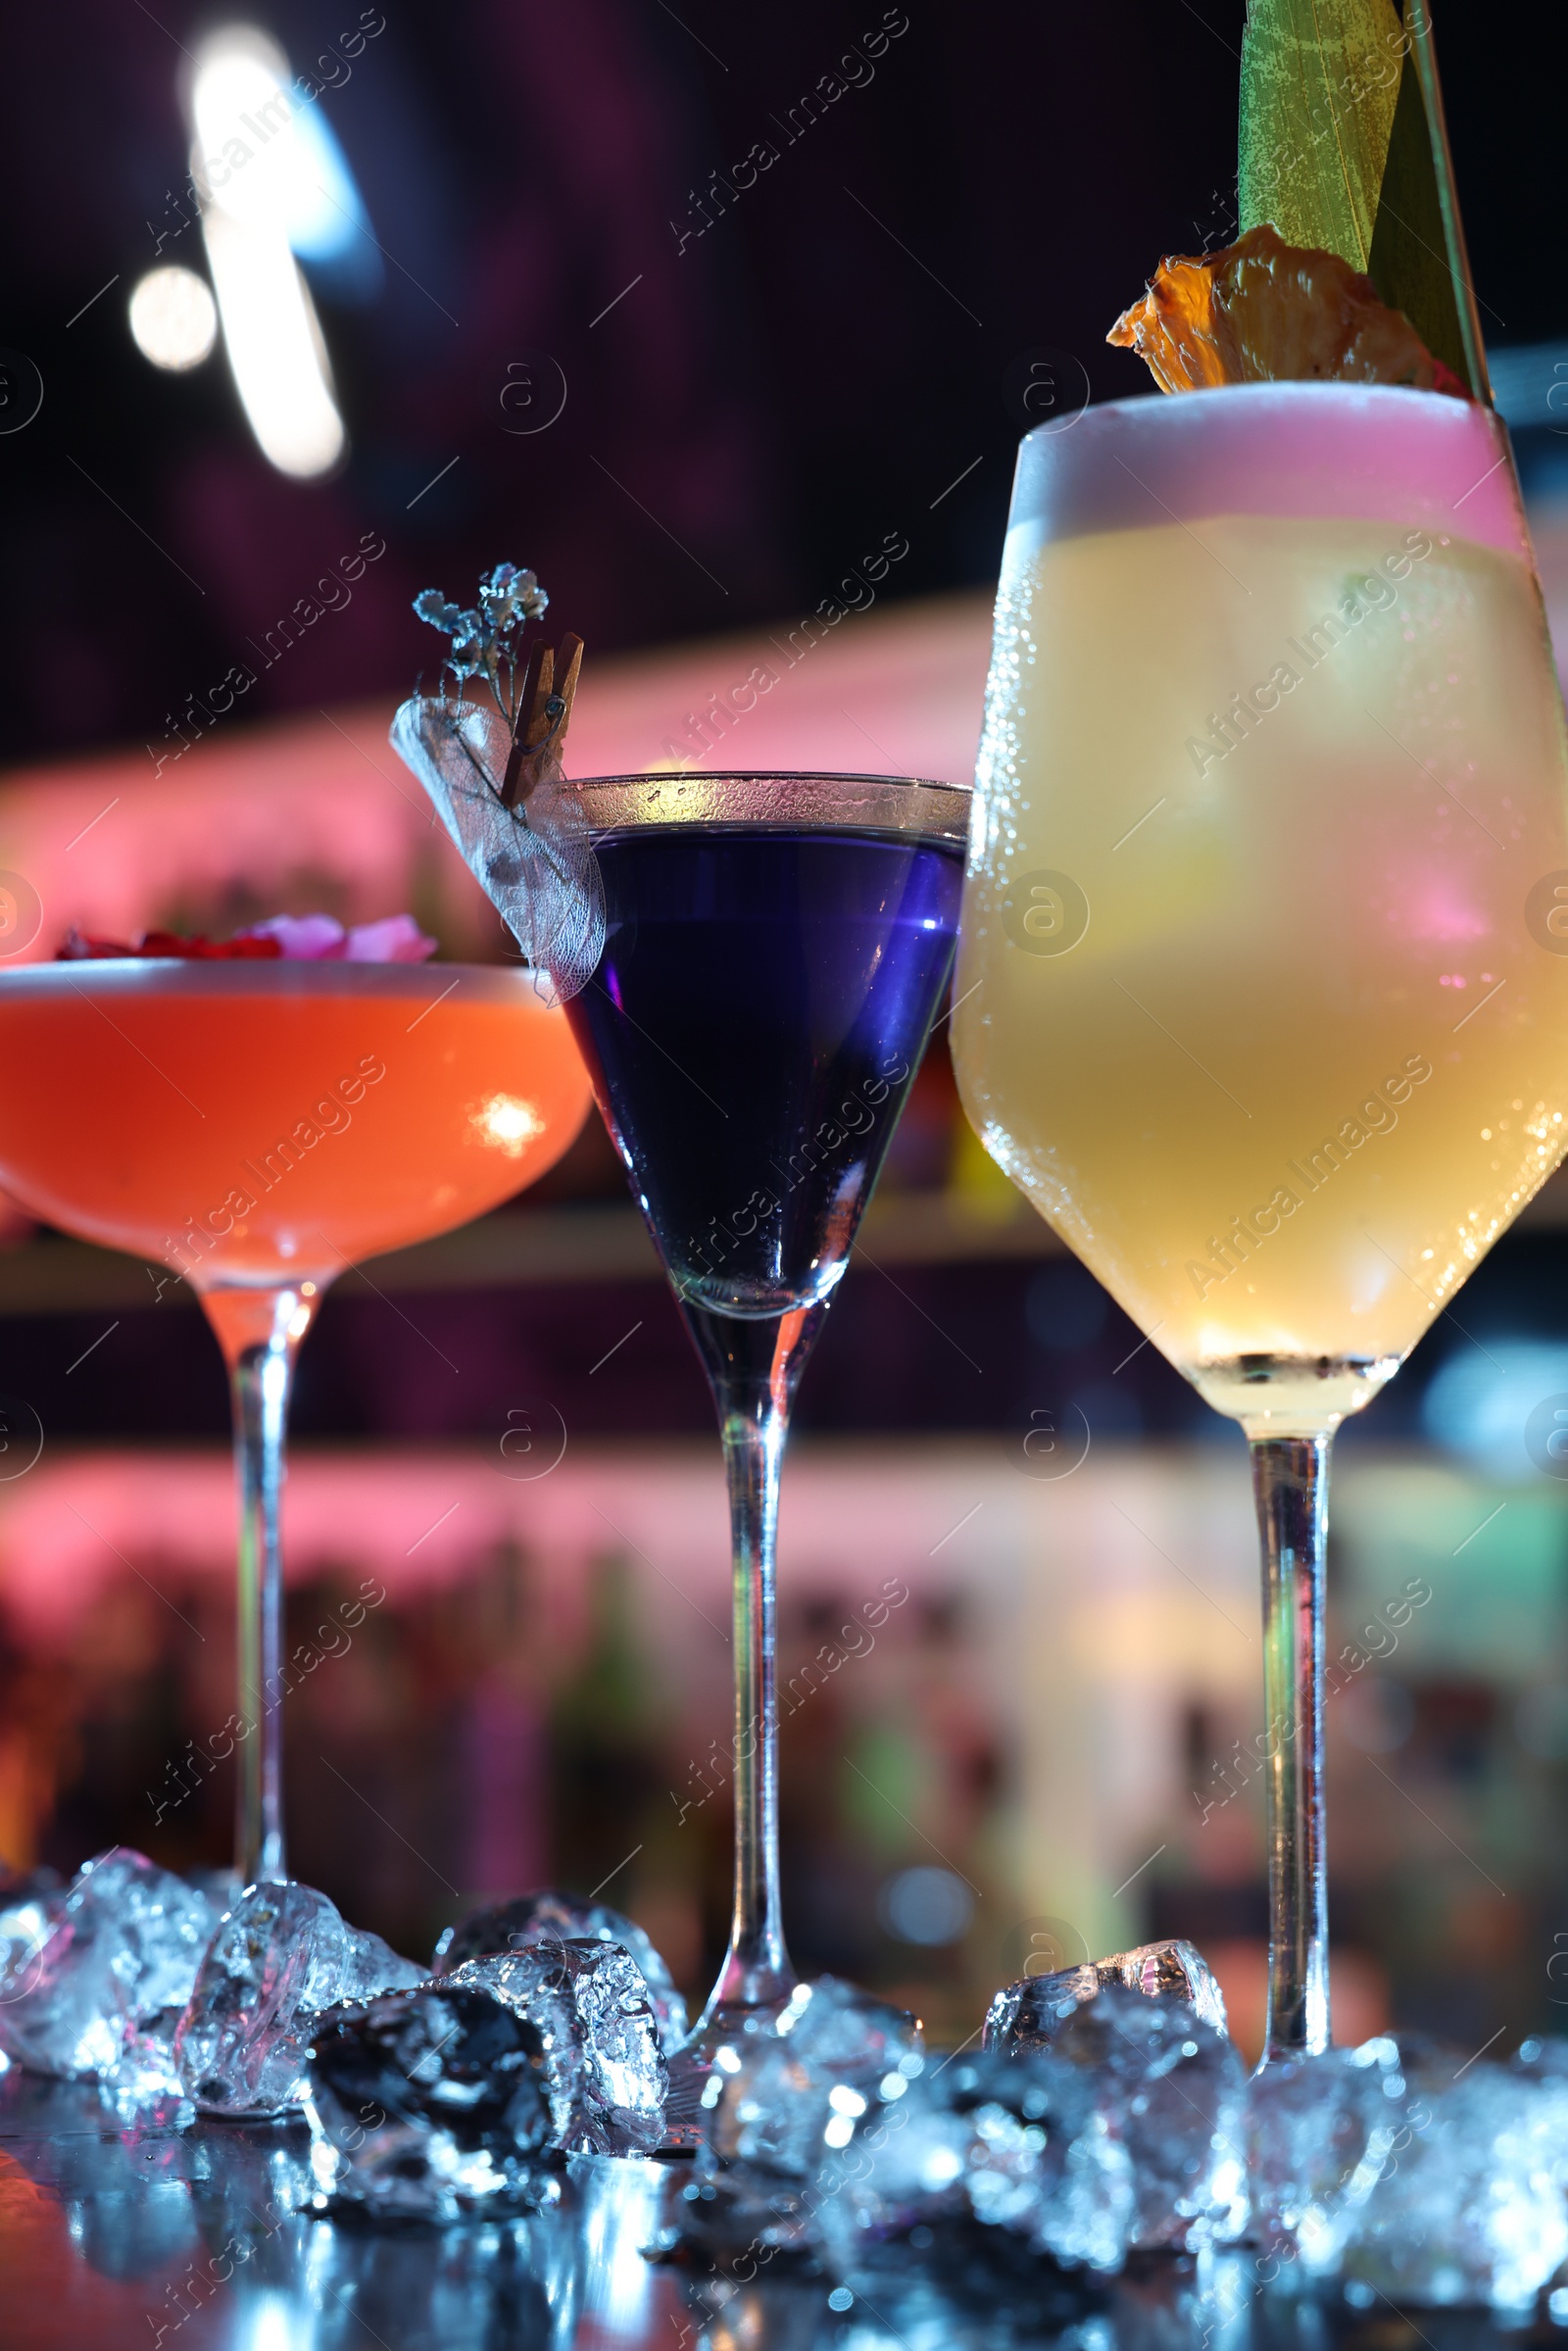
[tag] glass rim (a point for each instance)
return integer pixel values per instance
(1276, 451)
(282, 976)
(783, 798)
(1287, 391)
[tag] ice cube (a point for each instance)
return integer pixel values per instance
(29, 1908)
(951, 2145)
(431, 2104)
(1471, 2209)
(1543, 2060)
(624, 2077)
(605, 2071)
(1165, 2075)
(1030, 2011)
(1413, 2172)
(110, 1976)
(1545, 2056)
(281, 1955)
(551, 1917)
(1319, 2131)
(534, 1983)
(784, 2087)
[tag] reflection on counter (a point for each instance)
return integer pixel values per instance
(198, 2242)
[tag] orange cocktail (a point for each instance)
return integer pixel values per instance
(251, 1123)
(256, 1126)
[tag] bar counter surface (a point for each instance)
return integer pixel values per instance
(116, 2240)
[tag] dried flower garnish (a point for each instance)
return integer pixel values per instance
(486, 638)
(487, 642)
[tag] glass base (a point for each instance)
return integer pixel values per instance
(759, 1998)
(1291, 1396)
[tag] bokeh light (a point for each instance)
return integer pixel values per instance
(266, 191)
(173, 317)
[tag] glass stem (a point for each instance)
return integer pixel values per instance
(754, 1365)
(260, 1333)
(1289, 1482)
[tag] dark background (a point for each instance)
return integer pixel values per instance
(807, 375)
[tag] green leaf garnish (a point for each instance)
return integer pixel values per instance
(1320, 82)
(1343, 146)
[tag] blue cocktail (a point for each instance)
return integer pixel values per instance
(775, 951)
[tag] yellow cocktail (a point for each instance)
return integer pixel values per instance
(1262, 984)
(1306, 1061)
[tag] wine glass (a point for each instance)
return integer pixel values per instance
(254, 1128)
(1258, 998)
(777, 947)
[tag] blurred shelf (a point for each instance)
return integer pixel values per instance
(520, 1249)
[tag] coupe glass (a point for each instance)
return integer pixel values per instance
(254, 1128)
(777, 949)
(1260, 997)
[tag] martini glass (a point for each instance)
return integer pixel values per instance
(257, 1127)
(1260, 997)
(776, 951)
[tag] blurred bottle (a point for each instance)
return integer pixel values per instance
(505, 1734)
(609, 1729)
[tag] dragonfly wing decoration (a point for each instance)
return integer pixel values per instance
(568, 901)
(535, 862)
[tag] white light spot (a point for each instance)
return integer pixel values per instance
(174, 318)
(265, 153)
(507, 1123)
(275, 346)
(251, 177)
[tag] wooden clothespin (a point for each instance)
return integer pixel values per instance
(543, 713)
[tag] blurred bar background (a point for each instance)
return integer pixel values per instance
(753, 423)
